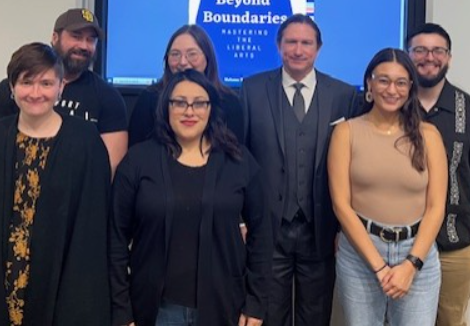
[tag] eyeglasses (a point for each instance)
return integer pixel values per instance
(180, 106)
(384, 82)
(192, 56)
(437, 52)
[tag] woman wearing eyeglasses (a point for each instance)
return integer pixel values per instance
(188, 48)
(177, 202)
(388, 181)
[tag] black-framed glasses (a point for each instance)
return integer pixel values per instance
(192, 55)
(384, 82)
(180, 106)
(422, 51)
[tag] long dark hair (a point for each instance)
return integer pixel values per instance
(216, 132)
(409, 116)
(204, 42)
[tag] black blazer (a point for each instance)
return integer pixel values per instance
(261, 97)
(68, 283)
(231, 277)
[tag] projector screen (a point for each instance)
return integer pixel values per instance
(244, 34)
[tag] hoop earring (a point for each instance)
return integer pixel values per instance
(369, 98)
(12, 96)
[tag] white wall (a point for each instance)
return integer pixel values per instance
(24, 21)
(453, 16)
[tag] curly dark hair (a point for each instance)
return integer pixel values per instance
(216, 132)
(409, 115)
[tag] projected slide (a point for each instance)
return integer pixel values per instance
(244, 34)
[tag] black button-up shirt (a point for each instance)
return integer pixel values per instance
(451, 116)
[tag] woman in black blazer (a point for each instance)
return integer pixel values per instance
(176, 251)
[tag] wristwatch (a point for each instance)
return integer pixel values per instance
(417, 263)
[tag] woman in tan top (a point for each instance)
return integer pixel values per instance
(388, 181)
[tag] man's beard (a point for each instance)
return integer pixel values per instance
(75, 66)
(429, 82)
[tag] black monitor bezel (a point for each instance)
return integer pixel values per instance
(415, 12)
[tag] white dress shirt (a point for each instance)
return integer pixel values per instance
(309, 81)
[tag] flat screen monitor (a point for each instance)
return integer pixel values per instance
(244, 34)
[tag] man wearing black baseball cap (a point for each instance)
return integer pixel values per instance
(76, 34)
(86, 94)
(76, 19)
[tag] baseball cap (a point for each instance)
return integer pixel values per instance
(76, 19)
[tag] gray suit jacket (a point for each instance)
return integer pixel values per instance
(261, 97)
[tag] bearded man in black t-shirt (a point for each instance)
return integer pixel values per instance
(86, 94)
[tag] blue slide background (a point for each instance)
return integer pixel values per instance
(137, 35)
(352, 31)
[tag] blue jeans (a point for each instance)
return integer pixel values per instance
(175, 315)
(361, 295)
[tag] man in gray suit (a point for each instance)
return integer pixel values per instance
(289, 116)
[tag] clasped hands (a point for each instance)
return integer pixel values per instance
(396, 281)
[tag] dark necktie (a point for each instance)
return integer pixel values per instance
(299, 102)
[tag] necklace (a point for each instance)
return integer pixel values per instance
(388, 131)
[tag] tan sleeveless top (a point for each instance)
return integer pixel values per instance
(384, 185)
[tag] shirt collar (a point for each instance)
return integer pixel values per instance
(446, 99)
(309, 80)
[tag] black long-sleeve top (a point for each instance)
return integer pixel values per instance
(231, 277)
(181, 277)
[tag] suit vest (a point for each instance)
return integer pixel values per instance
(300, 140)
